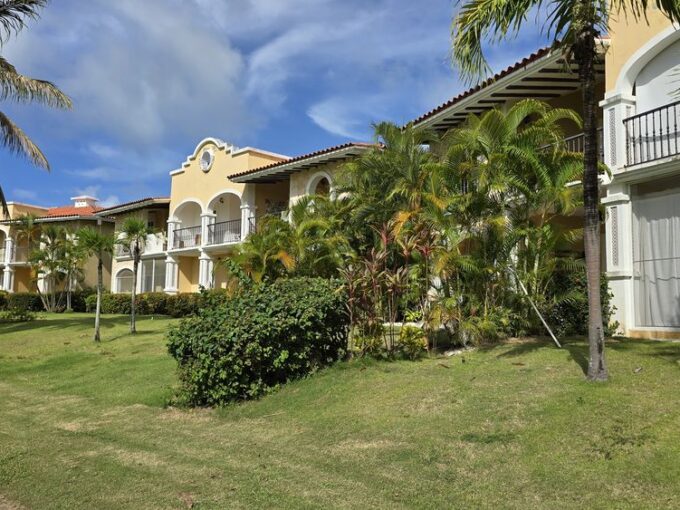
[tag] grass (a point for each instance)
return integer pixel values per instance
(515, 426)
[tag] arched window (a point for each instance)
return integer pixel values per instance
(323, 187)
(124, 281)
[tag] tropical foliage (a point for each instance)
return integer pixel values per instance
(457, 234)
(575, 27)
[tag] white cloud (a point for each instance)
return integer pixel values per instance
(109, 201)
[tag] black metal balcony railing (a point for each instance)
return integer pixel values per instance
(224, 232)
(188, 237)
(20, 254)
(577, 143)
(2, 255)
(653, 134)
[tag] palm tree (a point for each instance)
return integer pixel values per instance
(574, 26)
(72, 261)
(96, 243)
(132, 236)
(48, 264)
(22, 89)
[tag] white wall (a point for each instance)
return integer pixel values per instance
(657, 83)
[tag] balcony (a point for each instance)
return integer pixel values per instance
(577, 143)
(189, 237)
(20, 254)
(653, 135)
(155, 243)
(224, 232)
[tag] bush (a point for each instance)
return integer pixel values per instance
(570, 317)
(3, 300)
(183, 305)
(412, 342)
(16, 315)
(242, 347)
(24, 301)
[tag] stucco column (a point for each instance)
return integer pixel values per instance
(9, 251)
(205, 270)
(8, 279)
(616, 108)
(207, 219)
(171, 274)
(619, 253)
(172, 226)
(247, 219)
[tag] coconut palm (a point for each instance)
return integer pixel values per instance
(47, 261)
(95, 243)
(22, 89)
(132, 236)
(574, 26)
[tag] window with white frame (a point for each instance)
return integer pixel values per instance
(124, 281)
(153, 275)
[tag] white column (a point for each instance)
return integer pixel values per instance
(172, 226)
(205, 270)
(171, 274)
(207, 219)
(617, 107)
(619, 253)
(9, 251)
(8, 279)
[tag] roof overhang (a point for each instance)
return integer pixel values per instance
(132, 206)
(543, 75)
(281, 171)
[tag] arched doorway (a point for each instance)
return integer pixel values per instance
(226, 227)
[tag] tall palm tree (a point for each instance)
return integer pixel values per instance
(132, 235)
(95, 243)
(22, 89)
(574, 26)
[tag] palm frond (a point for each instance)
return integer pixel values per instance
(15, 13)
(17, 87)
(17, 142)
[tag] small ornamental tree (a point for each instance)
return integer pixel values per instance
(95, 243)
(132, 236)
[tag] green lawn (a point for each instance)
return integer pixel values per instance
(515, 426)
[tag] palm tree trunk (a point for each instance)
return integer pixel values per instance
(135, 267)
(597, 370)
(100, 284)
(68, 292)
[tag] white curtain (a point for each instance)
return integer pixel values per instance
(656, 255)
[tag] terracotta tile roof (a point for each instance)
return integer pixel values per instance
(303, 157)
(70, 210)
(508, 70)
(132, 203)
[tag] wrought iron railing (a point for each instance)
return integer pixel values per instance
(188, 237)
(2, 255)
(653, 134)
(224, 232)
(577, 143)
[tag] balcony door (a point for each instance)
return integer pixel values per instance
(656, 259)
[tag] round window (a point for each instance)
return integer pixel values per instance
(206, 160)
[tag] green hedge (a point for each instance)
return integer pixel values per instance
(31, 302)
(151, 303)
(240, 348)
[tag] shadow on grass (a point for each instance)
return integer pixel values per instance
(82, 322)
(577, 347)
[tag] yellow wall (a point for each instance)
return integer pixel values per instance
(268, 196)
(188, 274)
(23, 282)
(193, 183)
(299, 180)
(626, 37)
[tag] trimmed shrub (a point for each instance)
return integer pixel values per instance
(3, 300)
(24, 301)
(16, 315)
(242, 347)
(183, 305)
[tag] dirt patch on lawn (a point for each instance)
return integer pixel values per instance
(6, 504)
(128, 457)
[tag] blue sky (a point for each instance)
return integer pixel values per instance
(151, 79)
